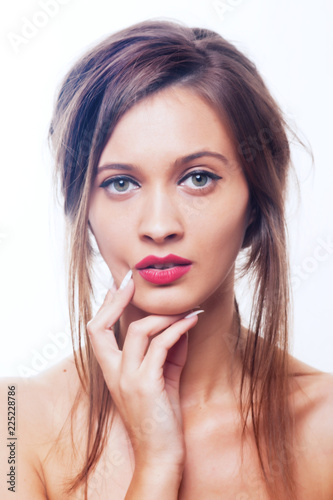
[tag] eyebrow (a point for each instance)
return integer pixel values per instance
(179, 162)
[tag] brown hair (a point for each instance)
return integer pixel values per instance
(107, 81)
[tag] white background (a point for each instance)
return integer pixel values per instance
(291, 42)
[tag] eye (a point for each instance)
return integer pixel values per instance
(118, 185)
(199, 179)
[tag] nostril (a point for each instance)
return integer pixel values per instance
(159, 226)
(161, 238)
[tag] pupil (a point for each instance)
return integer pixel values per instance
(120, 185)
(200, 179)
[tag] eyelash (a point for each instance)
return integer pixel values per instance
(210, 175)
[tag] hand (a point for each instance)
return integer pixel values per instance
(143, 378)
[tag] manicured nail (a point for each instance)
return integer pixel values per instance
(194, 313)
(126, 280)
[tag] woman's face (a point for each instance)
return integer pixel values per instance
(169, 183)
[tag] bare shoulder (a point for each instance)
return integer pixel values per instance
(313, 388)
(46, 397)
(312, 397)
(37, 409)
(56, 387)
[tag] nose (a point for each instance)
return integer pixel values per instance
(160, 219)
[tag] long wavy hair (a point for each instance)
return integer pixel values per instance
(107, 81)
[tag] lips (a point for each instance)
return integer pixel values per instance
(162, 262)
(163, 270)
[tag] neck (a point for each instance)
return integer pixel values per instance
(211, 361)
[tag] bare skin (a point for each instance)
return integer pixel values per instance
(176, 432)
(209, 428)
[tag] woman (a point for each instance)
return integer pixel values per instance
(169, 396)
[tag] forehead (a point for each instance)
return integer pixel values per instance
(171, 124)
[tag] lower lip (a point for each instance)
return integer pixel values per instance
(164, 276)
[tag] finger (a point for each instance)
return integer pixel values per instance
(160, 345)
(102, 337)
(138, 337)
(107, 299)
(112, 308)
(175, 361)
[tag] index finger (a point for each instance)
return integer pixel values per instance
(99, 328)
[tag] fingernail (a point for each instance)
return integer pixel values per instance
(194, 313)
(126, 280)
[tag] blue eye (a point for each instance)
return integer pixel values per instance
(200, 179)
(119, 184)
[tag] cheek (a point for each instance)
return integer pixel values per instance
(109, 231)
(222, 234)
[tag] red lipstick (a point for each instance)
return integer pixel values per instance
(163, 270)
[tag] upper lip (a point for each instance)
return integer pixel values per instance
(150, 260)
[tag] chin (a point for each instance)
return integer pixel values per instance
(169, 306)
